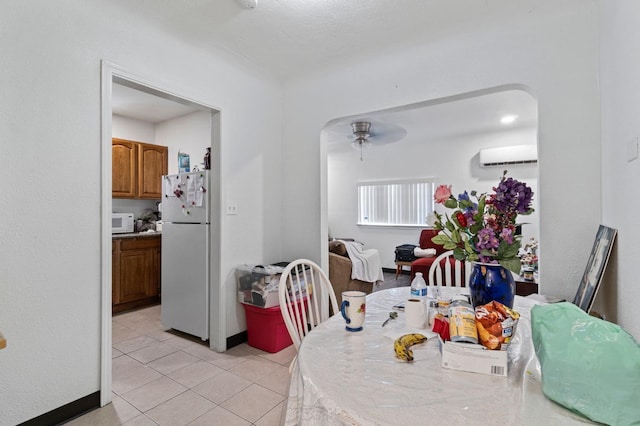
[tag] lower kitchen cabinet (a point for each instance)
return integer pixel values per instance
(135, 272)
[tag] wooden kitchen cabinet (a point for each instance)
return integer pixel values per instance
(124, 160)
(136, 272)
(137, 169)
(152, 165)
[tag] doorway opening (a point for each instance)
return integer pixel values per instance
(137, 109)
(439, 139)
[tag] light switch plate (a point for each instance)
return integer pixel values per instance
(232, 207)
(632, 149)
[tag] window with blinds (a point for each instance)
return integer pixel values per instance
(395, 203)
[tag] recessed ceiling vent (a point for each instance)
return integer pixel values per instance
(517, 154)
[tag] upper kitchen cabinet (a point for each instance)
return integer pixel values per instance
(137, 169)
(124, 161)
(152, 165)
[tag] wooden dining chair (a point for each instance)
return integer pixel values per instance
(448, 271)
(306, 297)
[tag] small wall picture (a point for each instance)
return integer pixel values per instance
(596, 265)
(183, 163)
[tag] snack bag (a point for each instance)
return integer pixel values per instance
(496, 324)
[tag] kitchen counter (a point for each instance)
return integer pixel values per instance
(137, 235)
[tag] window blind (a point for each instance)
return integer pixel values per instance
(395, 203)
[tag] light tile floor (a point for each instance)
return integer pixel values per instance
(163, 378)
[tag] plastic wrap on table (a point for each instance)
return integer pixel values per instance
(588, 365)
(354, 378)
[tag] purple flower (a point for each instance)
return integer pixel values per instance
(512, 196)
(507, 235)
(487, 240)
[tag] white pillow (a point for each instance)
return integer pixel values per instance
(420, 252)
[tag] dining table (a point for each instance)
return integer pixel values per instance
(353, 378)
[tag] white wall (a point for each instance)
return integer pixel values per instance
(50, 119)
(132, 129)
(620, 67)
(451, 160)
(189, 134)
(555, 57)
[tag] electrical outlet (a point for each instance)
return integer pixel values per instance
(232, 207)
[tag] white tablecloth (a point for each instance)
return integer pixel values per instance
(349, 378)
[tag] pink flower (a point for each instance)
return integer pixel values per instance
(443, 192)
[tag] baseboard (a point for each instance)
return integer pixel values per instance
(393, 271)
(237, 339)
(67, 411)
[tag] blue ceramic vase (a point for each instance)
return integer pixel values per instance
(490, 282)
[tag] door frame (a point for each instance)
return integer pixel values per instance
(217, 296)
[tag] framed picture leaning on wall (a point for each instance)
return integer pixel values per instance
(596, 265)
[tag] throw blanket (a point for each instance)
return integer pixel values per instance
(365, 264)
(420, 252)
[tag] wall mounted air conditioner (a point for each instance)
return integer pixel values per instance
(517, 154)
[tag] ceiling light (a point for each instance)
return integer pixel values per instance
(508, 119)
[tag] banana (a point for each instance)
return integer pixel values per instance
(403, 344)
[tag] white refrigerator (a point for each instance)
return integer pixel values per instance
(185, 259)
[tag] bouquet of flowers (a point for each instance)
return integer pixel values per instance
(482, 229)
(529, 255)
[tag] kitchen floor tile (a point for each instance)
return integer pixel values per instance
(232, 358)
(253, 402)
(141, 420)
(254, 368)
(221, 387)
(160, 335)
(121, 333)
(272, 418)
(180, 410)
(196, 373)
(153, 393)
(131, 345)
(152, 352)
(172, 362)
(277, 380)
(129, 318)
(145, 327)
(284, 357)
(219, 416)
(153, 370)
(128, 374)
(182, 343)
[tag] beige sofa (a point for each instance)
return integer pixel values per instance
(340, 272)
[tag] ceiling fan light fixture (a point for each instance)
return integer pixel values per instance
(361, 144)
(361, 129)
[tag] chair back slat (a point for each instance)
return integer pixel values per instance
(445, 272)
(306, 294)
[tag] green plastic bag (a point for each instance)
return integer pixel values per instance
(590, 366)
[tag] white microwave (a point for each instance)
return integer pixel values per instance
(121, 223)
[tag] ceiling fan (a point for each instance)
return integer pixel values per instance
(364, 135)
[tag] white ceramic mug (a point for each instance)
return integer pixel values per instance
(415, 311)
(353, 309)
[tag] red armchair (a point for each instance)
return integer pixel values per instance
(423, 264)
